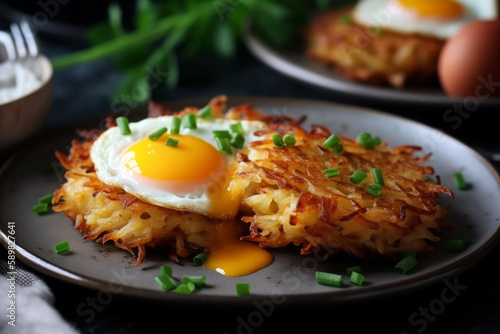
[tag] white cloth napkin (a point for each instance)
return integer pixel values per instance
(34, 304)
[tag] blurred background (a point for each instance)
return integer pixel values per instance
(204, 55)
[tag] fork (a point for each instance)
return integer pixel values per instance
(21, 43)
(24, 39)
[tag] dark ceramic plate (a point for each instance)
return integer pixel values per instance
(290, 277)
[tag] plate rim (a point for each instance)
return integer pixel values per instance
(407, 285)
(275, 60)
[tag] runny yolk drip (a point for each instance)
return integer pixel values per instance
(223, 203)
(195, 164)
(440, 9)
(230, 256)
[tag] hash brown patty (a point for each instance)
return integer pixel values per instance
(367, 54)
(290, 200)
(287, 199)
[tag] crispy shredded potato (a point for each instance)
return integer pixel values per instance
(104, 213)
(289, 200)
(377, 56)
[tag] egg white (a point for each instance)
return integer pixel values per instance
(107, 153)
(387, 14)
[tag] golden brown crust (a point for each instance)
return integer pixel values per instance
(291, 201)
(286, 197)
(379, 56)
(103, 213)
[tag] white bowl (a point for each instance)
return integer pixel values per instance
(24, 117)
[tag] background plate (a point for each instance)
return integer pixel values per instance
(295, 64)
(291, 276)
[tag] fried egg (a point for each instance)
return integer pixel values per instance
(193, 176)
(436, 18)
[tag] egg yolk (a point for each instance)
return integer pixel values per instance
(441, 9)
(191, 160)
(191, 166)
(230, 256)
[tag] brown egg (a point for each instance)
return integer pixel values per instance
(469, 63)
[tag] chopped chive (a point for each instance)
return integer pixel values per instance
(166, 282)
(356, 278)
(346, 19)
(189, 121)
(465, 236)
(41, 208)
(200, 259)
(366, 140)
(289, 139)
(331, 142)
(157, 134)
(278, 141)
(237, 128)
(456, 245)
(408, 253)
(46, 199)
(222, 134)
(374, 189)
(460, 181)
(172, 142)
(352, 269)
(122, 123)
(377, 176)
(339, 148)
(205, 112)
(332, 172)
(223, 145)
(429, 178)
(329, 279)
(185, 288)
(176, 125)
(358, 177)
(165, 271)
(237, 140)
(198, 281)
(406, 264)
(61, 247)
(242, 289)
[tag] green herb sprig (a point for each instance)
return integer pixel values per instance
(160, 30)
